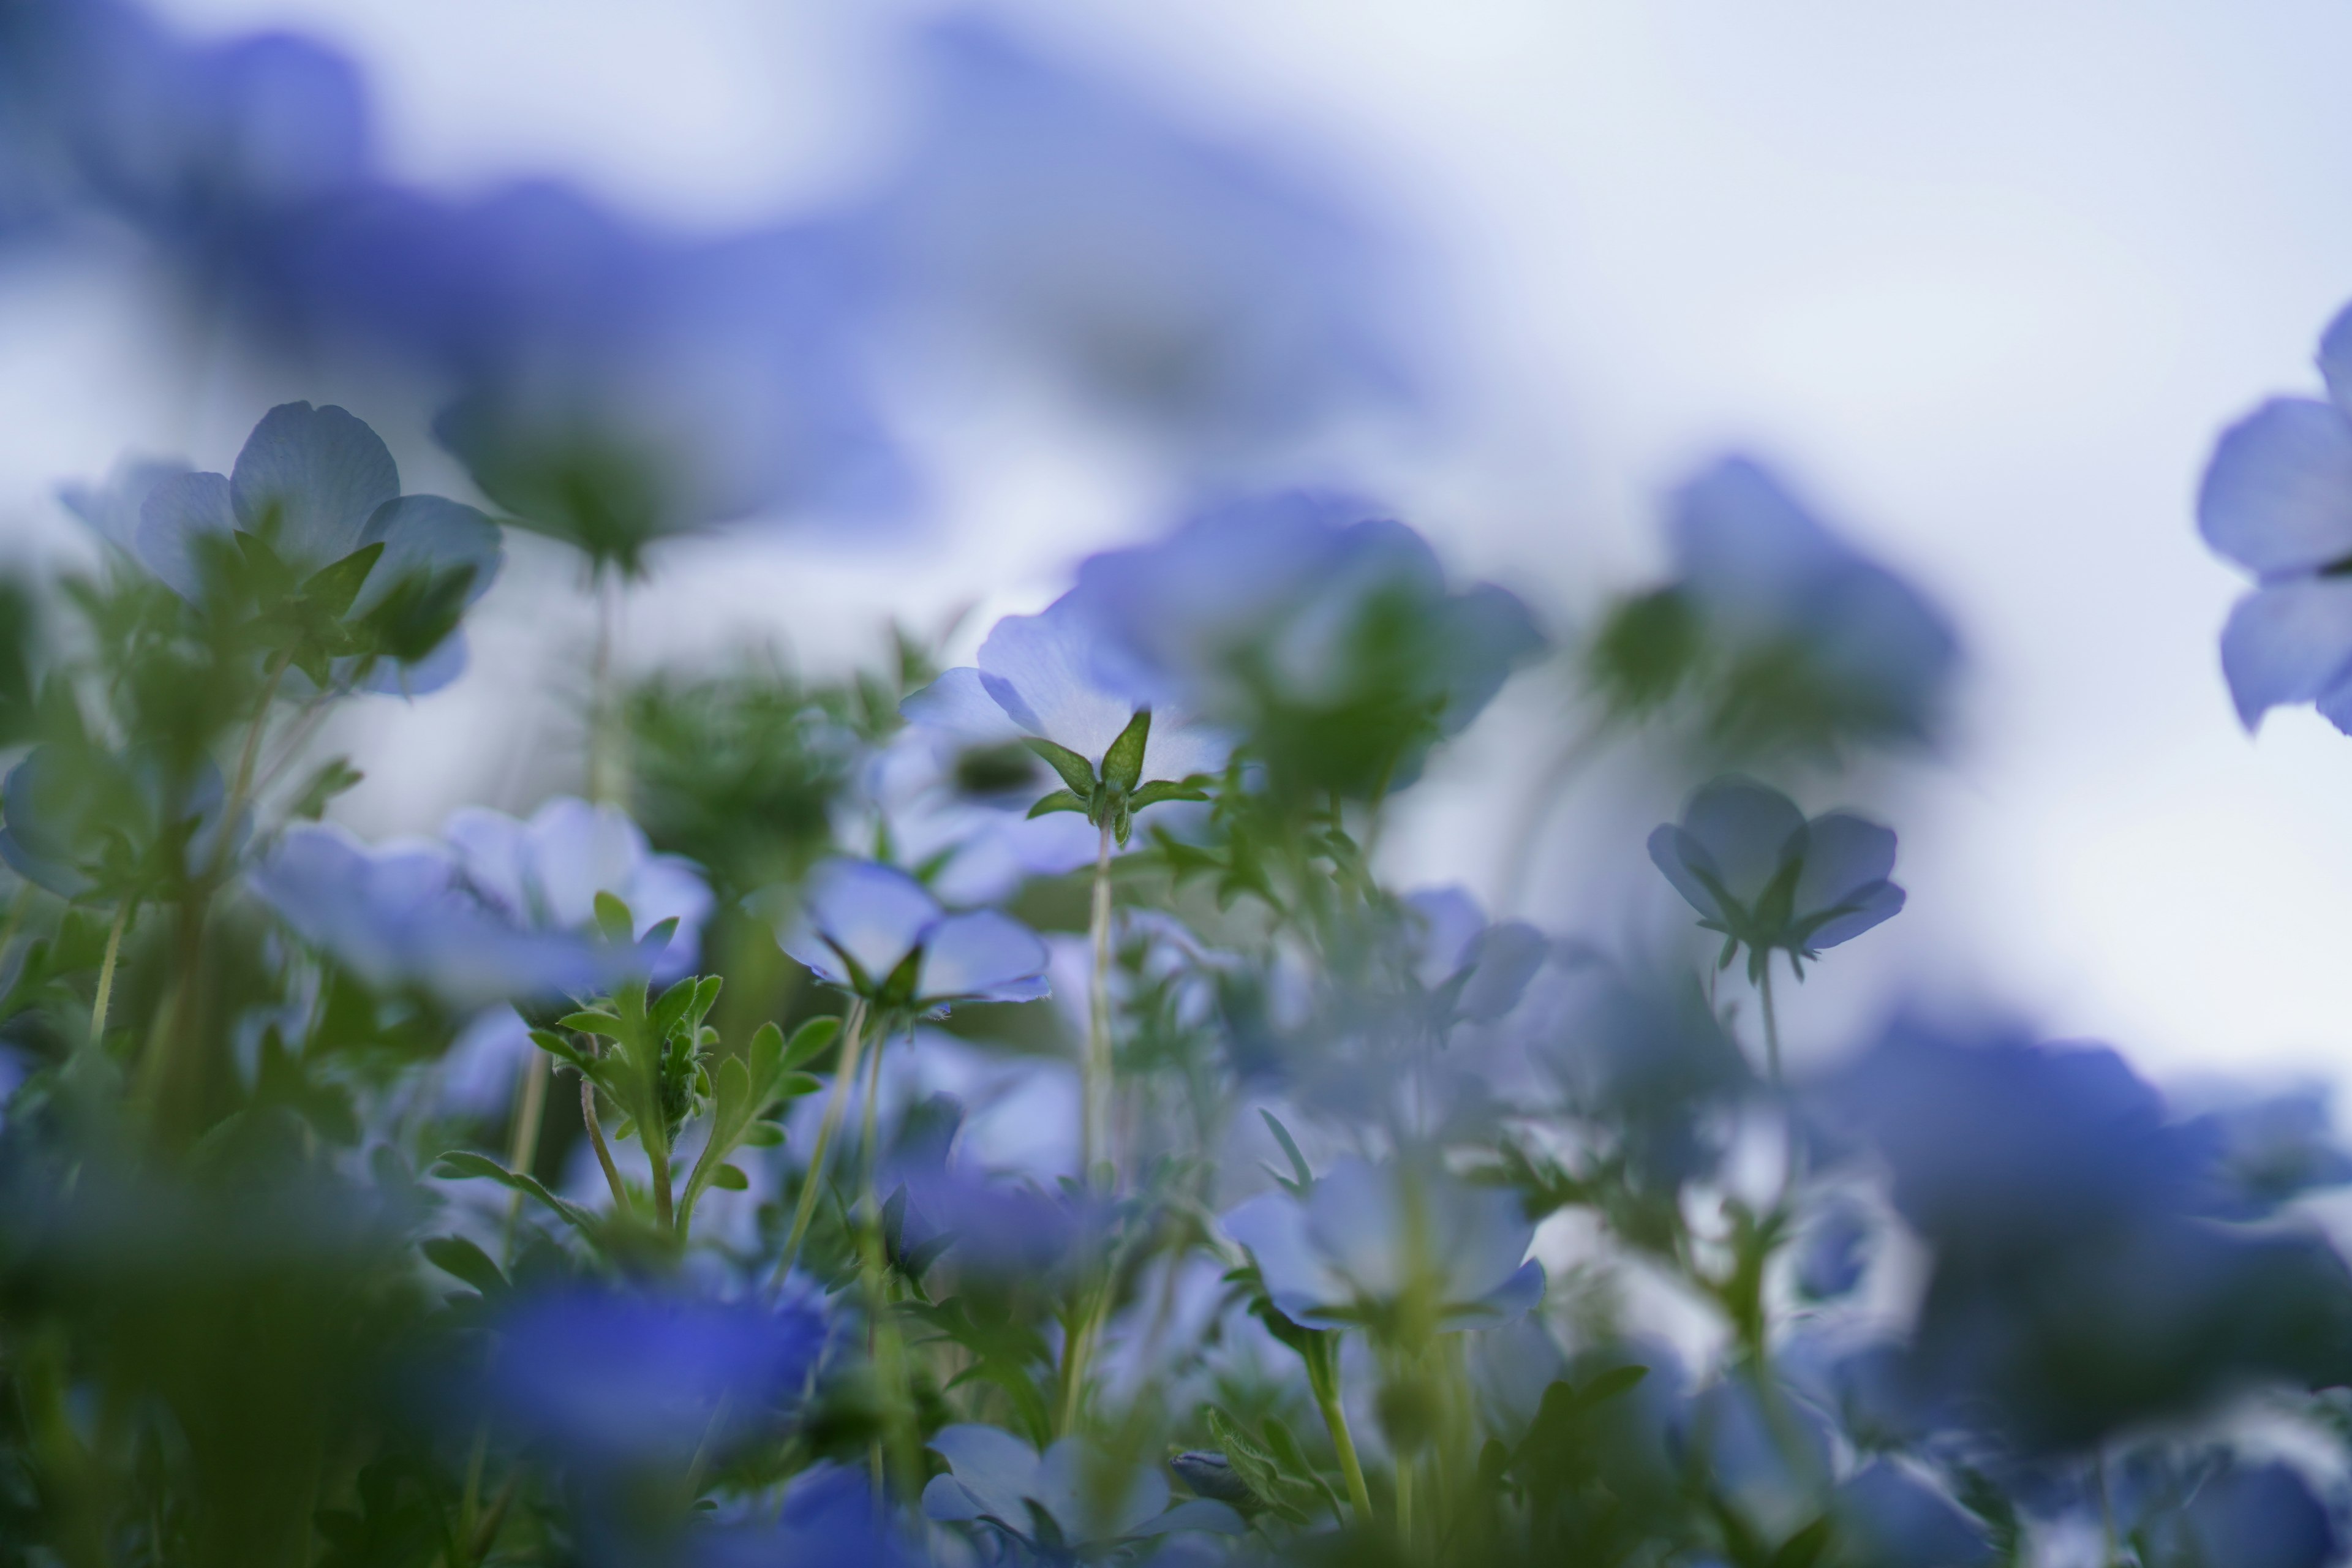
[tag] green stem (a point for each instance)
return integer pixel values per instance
(843, 1072)
(1404, 1501)
(1771, 1026)
(596, 1142)
(522, 1151)
(604, 760)
(1094, 1068)
(106, 975)
(1323, 1377)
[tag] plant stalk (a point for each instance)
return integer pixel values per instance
(1094, 1067)
(843, 1072)
(106, 975)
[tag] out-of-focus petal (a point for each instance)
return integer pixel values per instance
(1682, 860)
(425, 536)
(958, 707)
(176, 513)
(1273, 1226)
(1746, 827)
(1506, 957)
(112, 509)
(2277, 496)
(1356, 1219)
(1515, 1298)
(2287, 642)
(320, 473)
(1071, 1484)
(1871, 906)
(996, 1470)
(875, 915)
(1040, 669)
(982, 954)
(1843, 854)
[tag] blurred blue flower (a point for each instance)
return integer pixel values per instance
(546, 873)
(1834, 1252)
(2244, 1516)
(1073, 1498)
(487, 920)
(1365, 1237)
(1748, 860)
(1823, 640)
(969, 836)
(1323, 635)
(828, 1520)
(614, 1380)
(1472, 971)
(1192, 292)
(92, 826)
(2269, 1151)
(2078, 1280)
(312, 487)
(2277, 499)
(1889, 1516)
(876, 931)
(1763, 1453)
(1038, 683)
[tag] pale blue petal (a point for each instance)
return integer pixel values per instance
(1687, 864)
(1071, 1476)
(1508, 956)
(1178, 748)
(2277, 496)
(983, 954)
(1355, 1221)
(112, 509)
(1747, 829)
(1514, 1298)
(1272, 1228)
(493, 857)
(1746, 548)
(1449, 920)
(320, 473)
(1040, 668)
(1479, 1234)
(424, 536)
(959, 707)
(390, 677)
(2287, 642)
(875, 915)
(1843, 854)
(996, 1468)
(950, 1501)
(177, 512)
(1879, 903)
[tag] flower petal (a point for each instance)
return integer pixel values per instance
(1074, 1483)
(1843, 854)
(983, 954)
(1273, 1226)
(959, 707)
(875, 914)
(1872, 905)
(320, 473)
(1040, 668)
(996, 1468)
(1681, 858)
(176, 513)
(111, 509)
(1747, 828)
(2287, 642)
(2277, 495)
(425, 536)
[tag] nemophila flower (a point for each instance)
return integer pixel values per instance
(2080, 1279)
(1761, 1452)
(1749, 861)
(1832, 1252)
(1071, 1500)
(828, 1520)
(2270, 1151)
(2245, 1516)
(411, 914)
(546, 873)
(1192, 291)
(1320, 631)
(1817, 640)
(1889, 1515)
(351, 579)
(945, 815)
(1471, 971)
(876, 931)
(1038, 684)
(614, 1380)
(1364, 1237)
(93, 825)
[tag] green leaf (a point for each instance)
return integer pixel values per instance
(810, 1041)
(1075, 770)
(728, 1178)
(330, 779)
(1304, 1181)
(1060, 800)
(593, 1021)
(562, 1050)
(613, 917)
(672, 1006)
(1609, 1384)
(1248, 1458)
(332, 589)
(763, 1135)
(464, 1164)
(1122, 767)
(456, 1254)
(1804, 1548)
(1158, 789)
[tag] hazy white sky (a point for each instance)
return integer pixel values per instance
(1985, 279)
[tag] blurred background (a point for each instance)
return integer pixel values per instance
(1983, 281)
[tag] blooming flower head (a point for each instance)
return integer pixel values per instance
(2277, 499)
(973, 846)
(1363, 1237)
(490, 915)
(1072, 1495)
(2248, 1515)
(90, 825)
(1749, 861)
(1038, 683)
(876, 931)
(1807, 640)
(348, 579)
(1322, 633)
(1470, 971)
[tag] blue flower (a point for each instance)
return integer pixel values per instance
(876, 931)
(1470, 972)
(2277, 499)
(1822, 640)
(972, 848)
(1761, 1452)
(312, 488)
(1186, 289)
(489, 919)
(1326, 635)
(621, 1379)
(1364, 1237)
(829, 1521)
(2268, 1151)
(1071, 1498)
(1038, 683)
(1889, 1516)
(1834, 1252)
(91, 825)
(2244, 1516)
(1748, 860)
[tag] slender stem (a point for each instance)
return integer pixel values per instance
(664, 1201)
(604, 762)
(1077, 1350)
(1405, 1501)
(1094, 1069)
(242, 790)
(522, 1152)
(843, 1072)
(1771, 1026)
(596, 1142)
(106, 975)
(1325, 1382)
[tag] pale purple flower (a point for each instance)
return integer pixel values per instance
(874, 929)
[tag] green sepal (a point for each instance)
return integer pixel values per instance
(1060, 800)
(331, 589)
(1075, 770)
(1158, 790)
(727, 1178)
(1122, 767)
(613, 917)
(456, 1254)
